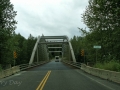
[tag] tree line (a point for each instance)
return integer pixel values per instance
(10, 41)
(102, 18)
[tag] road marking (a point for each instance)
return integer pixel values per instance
(42, 84)
(96, 81)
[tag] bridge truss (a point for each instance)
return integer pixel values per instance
(52, 45)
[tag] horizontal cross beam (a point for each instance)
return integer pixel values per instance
(55, 51)
(54, 47)
(52, 42)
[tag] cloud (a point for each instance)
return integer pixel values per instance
(49, 17)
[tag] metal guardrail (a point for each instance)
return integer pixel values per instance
(75, 64)
(27, 66)
(15, 69)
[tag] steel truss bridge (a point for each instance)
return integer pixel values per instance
(47, 45)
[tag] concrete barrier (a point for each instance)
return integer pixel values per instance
(15, 69)
(2, 74)
(105, 74)
(10, 71)
(115, 76)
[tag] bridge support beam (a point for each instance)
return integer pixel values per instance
(34, 50)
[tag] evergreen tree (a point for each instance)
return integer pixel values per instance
(7, 27)
(103, 19)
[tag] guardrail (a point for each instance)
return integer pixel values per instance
(10, 71)
(27, 66)
(75, 64)
(15, 69)
(105, 74)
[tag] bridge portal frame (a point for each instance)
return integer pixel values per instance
(42, 40)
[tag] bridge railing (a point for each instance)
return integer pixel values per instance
(9, 72)
(18, 68)
(75, 64)
(105, 74)
(27, 66)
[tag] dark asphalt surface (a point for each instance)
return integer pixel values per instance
(62, 77)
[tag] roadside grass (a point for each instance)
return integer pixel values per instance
(111, 65)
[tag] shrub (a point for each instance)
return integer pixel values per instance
(111, 65)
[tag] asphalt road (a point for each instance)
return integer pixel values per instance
(55, 76)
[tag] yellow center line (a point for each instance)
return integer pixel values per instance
(42, 81)
(45, 81)
(41, 85)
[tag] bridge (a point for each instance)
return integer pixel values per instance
(43, 73)
(45, 43)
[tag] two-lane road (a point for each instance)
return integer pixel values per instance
(55, 76)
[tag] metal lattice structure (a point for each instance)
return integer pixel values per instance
(61, 44)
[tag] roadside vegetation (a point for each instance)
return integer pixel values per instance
(112, 65)
(102, 17)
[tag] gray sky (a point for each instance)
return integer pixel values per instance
(49, 17)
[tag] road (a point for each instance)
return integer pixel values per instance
(55, 76)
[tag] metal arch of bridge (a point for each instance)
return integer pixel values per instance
(41, 49)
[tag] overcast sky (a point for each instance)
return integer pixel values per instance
(49, 17)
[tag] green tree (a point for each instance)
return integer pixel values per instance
(7, 27)
(22, 46)
(102, 18)
(18, 47)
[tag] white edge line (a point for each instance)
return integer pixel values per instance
(96, 81)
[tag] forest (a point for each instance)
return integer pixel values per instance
(11, 42)
(102, 17)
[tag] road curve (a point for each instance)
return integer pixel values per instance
(55, 76)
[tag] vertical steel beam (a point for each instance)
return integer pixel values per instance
(34, 50)
(37, 54)
(72, 52)
(71, 49)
